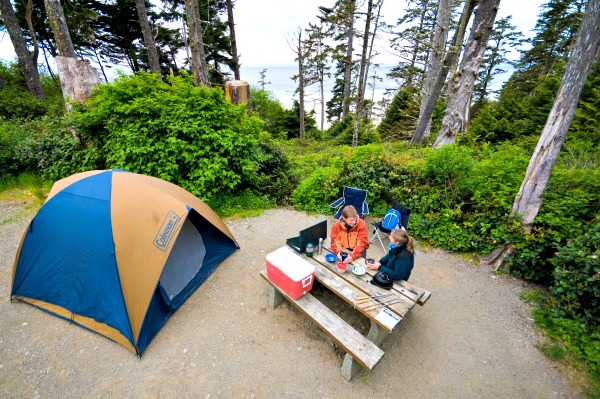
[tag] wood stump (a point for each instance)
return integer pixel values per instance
(237, 91)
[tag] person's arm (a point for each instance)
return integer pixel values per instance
(362, 240)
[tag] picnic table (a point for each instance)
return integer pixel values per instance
(384, 308)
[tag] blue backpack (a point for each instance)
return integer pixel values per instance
(391, 220)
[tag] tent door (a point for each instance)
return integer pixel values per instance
(185, 261)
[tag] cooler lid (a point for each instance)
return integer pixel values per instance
(290, 263)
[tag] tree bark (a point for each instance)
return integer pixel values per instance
(198, 58)
(348, 61)
(361, 75)
(529, 199)
(424, 122)
(77, 78)
(140, 5)
(26, 62)
(461, 85)
(58, 23)
(436, 57)
(234, 54)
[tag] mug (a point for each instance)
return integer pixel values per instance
(344, 255)
(369, 260)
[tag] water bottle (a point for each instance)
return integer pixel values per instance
(320, 250)
(309, 250)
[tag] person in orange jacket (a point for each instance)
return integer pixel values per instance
(349, 234)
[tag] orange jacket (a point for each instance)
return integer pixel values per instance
(354, 239)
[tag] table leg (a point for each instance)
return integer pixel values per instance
(351, 367)
(275, 298)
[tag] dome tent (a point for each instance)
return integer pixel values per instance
(118, 253)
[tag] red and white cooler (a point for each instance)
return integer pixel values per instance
(290, 272)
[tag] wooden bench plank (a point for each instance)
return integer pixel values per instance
(365, 352)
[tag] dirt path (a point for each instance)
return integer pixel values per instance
(472, 339)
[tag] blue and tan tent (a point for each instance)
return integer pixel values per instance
(118, 253)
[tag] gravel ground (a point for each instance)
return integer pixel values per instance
(473, 339)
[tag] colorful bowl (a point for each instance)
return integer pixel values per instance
(341, 267)
(330, 258)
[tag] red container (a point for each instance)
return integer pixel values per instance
(290, 272)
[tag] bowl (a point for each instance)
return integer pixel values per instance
(341, 267)
(330, 258)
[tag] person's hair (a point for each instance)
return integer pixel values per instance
(349, 212)
(402, 237)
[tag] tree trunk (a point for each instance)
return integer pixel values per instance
(198, 58)
(234, 54)
(424, 123)
(77, 78)
(436, 57)
(147, 34)
(361, 75)
(461, 85)
(26, 63)
(301, 85)
(58, 23)
(529, 199)
(348, 61)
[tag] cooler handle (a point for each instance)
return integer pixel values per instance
(306, 282)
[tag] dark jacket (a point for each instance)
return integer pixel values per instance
(398, 263)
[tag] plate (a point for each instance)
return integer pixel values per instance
(359, 270)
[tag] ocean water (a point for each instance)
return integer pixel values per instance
(278, 80)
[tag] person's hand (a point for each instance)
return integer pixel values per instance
(348, 259)
(339, 256)
(373, 266)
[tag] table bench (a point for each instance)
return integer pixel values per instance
(361, 351)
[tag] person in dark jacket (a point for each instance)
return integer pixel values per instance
(399, 261)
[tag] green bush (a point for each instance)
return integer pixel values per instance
(175, 131)
(576, 285)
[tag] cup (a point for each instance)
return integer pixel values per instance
(341, 267)
(344, 255)
(369, 260)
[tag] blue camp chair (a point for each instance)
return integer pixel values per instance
(381, 233)
(351, 196)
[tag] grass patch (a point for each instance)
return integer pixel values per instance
(552, 350)
(532, 296)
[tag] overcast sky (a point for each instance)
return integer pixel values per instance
(264, 26)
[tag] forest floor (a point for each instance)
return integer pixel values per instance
(474, 338)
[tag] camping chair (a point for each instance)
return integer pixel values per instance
(378, 230)
(351, 196)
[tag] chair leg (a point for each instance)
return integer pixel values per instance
(376, 234)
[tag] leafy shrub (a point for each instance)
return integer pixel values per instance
(175, 131)
(276, 180)
(576, 285)
(317, 191)
(44, 146)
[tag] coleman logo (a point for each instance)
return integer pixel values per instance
(165, 233)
